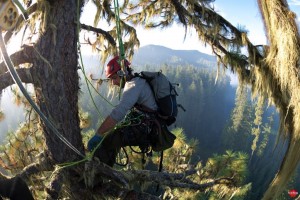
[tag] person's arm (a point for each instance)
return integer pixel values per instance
(108, 124)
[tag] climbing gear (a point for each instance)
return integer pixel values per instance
(158, 136)
(93, 142)
(118, 26)
(161, 137)
(114, 66)
(23, 11)
(119, 159)
(122, 59)
(8, 15)
(164, 93)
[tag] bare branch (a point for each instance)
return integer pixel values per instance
(173, 180)
(43, 164)
(122, 193)
(25, 55)
(100, 31)
(6, 80)
(99, 168)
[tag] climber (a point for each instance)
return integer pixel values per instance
(142, 122)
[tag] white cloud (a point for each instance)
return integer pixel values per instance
(294, 2)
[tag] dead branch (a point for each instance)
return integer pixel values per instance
(6, 79)
(94, 168)
(114, 191)
(125, 178)
(43, 164)
(100, 31)
(25, 55)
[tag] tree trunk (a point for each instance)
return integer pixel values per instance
(56, 79)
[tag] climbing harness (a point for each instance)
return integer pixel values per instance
(134, 118)
(10, 15)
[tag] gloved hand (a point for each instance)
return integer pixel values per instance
(93, 142)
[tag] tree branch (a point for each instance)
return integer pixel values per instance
(100, 31)
(24, 74)
(25, 55)
(173, 180)
(55, 185)
(43, 164)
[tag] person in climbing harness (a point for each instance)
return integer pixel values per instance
(140, 124)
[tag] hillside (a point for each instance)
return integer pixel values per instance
(159, 55)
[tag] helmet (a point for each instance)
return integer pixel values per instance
(113, 66)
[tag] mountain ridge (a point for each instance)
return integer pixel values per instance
(160, 55)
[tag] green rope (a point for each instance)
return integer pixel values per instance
(81, 61)
(121, 45)
(17, 80)
(107, 101)
(24, 13)
(88, 82)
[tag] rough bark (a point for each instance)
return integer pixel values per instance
(56, 80)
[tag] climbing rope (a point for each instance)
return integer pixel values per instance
(121, 45)
(24, 13)
(118, 26)
(88, 83)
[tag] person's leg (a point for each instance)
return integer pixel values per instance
(109, 148)
(125, 136)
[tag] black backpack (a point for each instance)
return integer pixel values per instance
(164, 93)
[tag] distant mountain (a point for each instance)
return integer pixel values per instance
(159, 55)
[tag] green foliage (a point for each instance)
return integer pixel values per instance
(240, 107)
(229, 165)
(22, 149)
(256, 130)
(266, 130)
